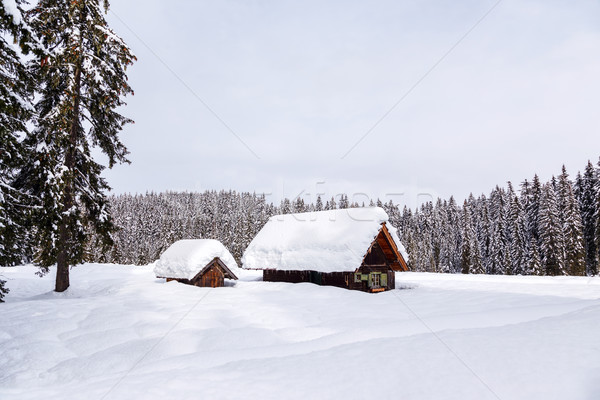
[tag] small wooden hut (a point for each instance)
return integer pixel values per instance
(355, 249)
(199, 262)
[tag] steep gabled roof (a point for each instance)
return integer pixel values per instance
(219, 264)
(185, 258)
(390, 250)
(325, 241)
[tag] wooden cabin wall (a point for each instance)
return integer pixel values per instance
(271, 275)
(337, 279)
(180, 280)
(344, 280)
(375, 261)
(391, 280)
(212, 278)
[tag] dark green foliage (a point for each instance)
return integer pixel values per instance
(15, 111)
(586, 190)
(152, 222)
(81, 84)
(518, 248)
(572, 227)
(551, 239)
(3, 290)
(471, 262)
(596, 267)
(319, 204)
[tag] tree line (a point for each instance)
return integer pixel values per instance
(549, 228)
(62, 80)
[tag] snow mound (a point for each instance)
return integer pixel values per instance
(119, 334)
(185, 258)
(325, 241)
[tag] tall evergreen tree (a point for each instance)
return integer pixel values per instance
(454, 235)
(533, 264)
(344, 203)
(532, 210)
(299, 206)
(319, 204)
(573, 257)
(332, 204)
(286, 206)
(587, 191)
(518, 247)
(597, 220)
(551, 236)
(573, 233)
(470, 256)
(82, 84)
(483, 230)
(499, 260)
(15, 112)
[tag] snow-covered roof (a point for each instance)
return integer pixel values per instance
(185, 258)
(325, 241)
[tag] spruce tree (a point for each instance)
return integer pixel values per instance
(441, 237)
(532, 210)
(551, 236)
(332, 204)
(15, 112)
(573, 257)
(518, 246)
(483, 230)
(588, 193)
(319, 204)
(286, 206)
(533, 264)
(499, 261)
(343, 201)
(573, 233)
(470, 257)
(82, 84)
(531, 197)
(454, 235)
(597, 213)
(299, 206)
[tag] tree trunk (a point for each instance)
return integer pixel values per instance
(64, 231)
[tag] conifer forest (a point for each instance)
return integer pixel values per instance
(538, 228)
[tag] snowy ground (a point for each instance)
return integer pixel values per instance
(119, 333)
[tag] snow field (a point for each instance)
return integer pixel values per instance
(120, 333)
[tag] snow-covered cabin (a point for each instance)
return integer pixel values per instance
(198, 262)
(354, 248)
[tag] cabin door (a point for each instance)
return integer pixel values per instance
(375, 280)
(212, 278)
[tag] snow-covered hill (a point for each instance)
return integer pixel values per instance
(120, 333)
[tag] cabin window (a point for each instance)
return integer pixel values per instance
(384, 279)
(357, 278)
(375, 280)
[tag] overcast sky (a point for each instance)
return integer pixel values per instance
(394, 99)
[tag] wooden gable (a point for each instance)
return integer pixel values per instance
(213, 274)
(384, 243)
